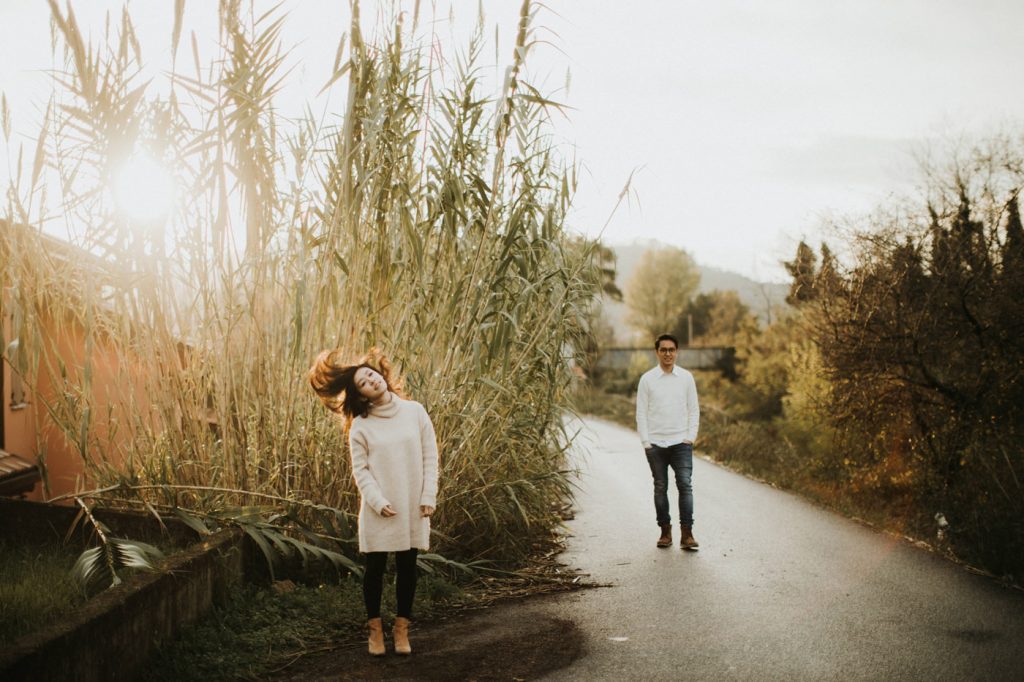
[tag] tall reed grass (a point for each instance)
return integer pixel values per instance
(427, 218)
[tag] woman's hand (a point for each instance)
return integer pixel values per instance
(387, 511)
(426, 511)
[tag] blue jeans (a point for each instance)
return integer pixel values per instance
(680, 458)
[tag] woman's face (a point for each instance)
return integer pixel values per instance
(370, 384)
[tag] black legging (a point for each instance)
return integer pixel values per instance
(405, 581)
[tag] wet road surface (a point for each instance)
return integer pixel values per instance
(780, 589)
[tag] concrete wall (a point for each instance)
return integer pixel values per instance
(27, 523)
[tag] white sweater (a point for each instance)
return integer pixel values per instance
(394, 461)
(667, 412)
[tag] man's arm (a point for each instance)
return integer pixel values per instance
(692, 411)
(641, 412)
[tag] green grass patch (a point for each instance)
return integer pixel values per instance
(259, 630)
(36, 589)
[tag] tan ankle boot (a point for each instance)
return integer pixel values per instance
(401, 635)
(376, 641)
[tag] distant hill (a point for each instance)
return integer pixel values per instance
(761, 297)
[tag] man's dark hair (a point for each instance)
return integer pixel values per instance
(666, 337)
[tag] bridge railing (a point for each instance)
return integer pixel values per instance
(715, 358)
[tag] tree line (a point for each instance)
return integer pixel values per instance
(921, 348)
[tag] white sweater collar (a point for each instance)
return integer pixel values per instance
(389, 409)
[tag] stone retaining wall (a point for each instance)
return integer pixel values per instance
(115, 632)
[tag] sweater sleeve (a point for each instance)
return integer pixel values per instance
(692, 411)
(428, 446)
(368, 486)
(642, 400)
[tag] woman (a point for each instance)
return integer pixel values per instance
(394, 462)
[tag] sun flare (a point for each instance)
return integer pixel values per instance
(144, 189)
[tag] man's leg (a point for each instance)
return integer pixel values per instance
(681, 461)
(657, 459)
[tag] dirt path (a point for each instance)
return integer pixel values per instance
(519, 640)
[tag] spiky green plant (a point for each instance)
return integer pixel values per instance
(427, 218)
(98, 566)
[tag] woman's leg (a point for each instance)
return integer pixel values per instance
(405, 592)
(373, 582)
(405, 581)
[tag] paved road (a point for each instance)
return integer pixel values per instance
(780, 589)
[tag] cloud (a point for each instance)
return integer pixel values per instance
(844, 160)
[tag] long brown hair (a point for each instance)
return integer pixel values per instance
(333, 379)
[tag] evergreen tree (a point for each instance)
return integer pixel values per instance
(802, 269)
(1013, 246)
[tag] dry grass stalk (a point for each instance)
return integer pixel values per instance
(434, 228)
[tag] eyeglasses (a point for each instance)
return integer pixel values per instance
(666, 350)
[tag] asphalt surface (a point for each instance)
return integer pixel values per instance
(779, 590)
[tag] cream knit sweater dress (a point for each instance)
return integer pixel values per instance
(394, 461)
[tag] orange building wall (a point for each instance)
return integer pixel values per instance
(18, 424)
(64, 465)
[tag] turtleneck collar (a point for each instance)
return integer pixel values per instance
(388, 409)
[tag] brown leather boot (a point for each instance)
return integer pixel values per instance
(666, 535)
(401, 635)
(687, 540)
(376, 641)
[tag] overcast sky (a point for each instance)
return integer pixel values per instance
(744, 124)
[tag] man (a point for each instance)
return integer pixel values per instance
(667, 417)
